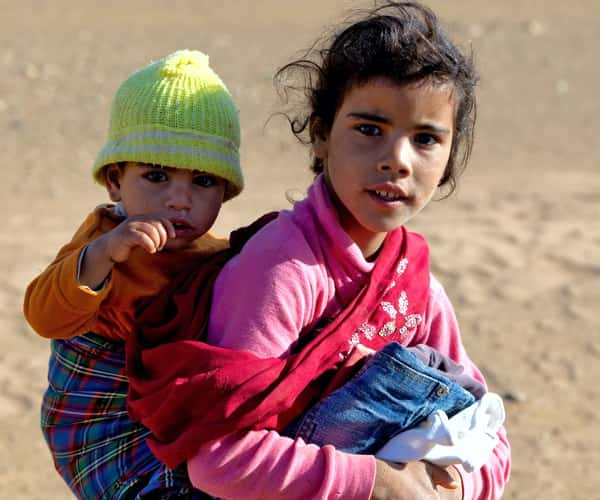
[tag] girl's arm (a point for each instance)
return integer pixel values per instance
(440, 330)
(263, 465)
(284, 292)
(267, 466)
(285, 289)
(280, 298)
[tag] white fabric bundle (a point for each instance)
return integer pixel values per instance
(467, 438)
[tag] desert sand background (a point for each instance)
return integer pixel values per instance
(517, 246)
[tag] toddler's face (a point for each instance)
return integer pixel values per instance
(385, 155)
(191, 200)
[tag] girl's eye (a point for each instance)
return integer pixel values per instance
(369, 129)
(426, 139)
(156, 176)
(205, 180)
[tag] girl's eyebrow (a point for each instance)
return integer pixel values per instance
(432, 127)
(427, 126)
(361, 115)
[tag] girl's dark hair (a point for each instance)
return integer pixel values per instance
(402, 41)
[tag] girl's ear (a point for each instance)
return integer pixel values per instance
(319, 139)
(320, 147)
(112, 179)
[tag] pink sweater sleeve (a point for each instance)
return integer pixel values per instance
(441, 331)
(267, 320)
(264, 465)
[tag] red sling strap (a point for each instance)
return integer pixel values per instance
(188, 392)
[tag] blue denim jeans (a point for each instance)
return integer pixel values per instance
(393, 392)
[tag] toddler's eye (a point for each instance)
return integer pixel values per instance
(205, 180)
(156, 176)
(369, 129)
(426, 139)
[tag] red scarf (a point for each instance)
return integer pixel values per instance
(188, 392)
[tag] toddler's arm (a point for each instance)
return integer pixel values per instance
(55, 304)
(65, 298)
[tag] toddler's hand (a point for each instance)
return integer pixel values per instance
(144, 231)
(147, 232)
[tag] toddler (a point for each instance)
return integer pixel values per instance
(170, 161)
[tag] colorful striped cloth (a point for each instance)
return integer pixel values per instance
(96, 448)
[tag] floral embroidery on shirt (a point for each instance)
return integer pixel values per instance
(367, 330)
(389, 308)
(402, 265)
(387, 329)
(403, 303)
(413, 320)
(409, 325)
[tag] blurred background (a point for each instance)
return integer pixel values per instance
(517, 246)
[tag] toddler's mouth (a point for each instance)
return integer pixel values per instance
(181, 224)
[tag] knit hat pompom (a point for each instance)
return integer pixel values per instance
(187, 62)
(176, 112)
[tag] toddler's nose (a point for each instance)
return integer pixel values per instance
(179, 198)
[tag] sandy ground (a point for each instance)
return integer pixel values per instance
(516, 247)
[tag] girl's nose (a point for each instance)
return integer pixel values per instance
(397, 158)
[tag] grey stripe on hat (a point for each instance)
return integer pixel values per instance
(163, 134)
(173, 148)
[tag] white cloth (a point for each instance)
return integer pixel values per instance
(467, 438)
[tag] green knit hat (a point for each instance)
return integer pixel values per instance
(177, 113)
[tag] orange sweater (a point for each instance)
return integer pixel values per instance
(58, 307)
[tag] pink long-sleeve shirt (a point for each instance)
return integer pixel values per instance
(296, 270)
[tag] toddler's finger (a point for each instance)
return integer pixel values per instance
(155, 231)
(169, 227)
(162, 232)
(145, 240)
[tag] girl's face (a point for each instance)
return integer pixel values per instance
(190, 199)
(385, 155)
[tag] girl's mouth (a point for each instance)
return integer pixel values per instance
(387, 194)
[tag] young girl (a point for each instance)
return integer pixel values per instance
(390, 120)
(170, 161)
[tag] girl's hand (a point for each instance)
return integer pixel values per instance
(144, 231)
(415, 480)
(362, 350)
(147, 232)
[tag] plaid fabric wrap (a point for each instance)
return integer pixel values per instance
(96, 448)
